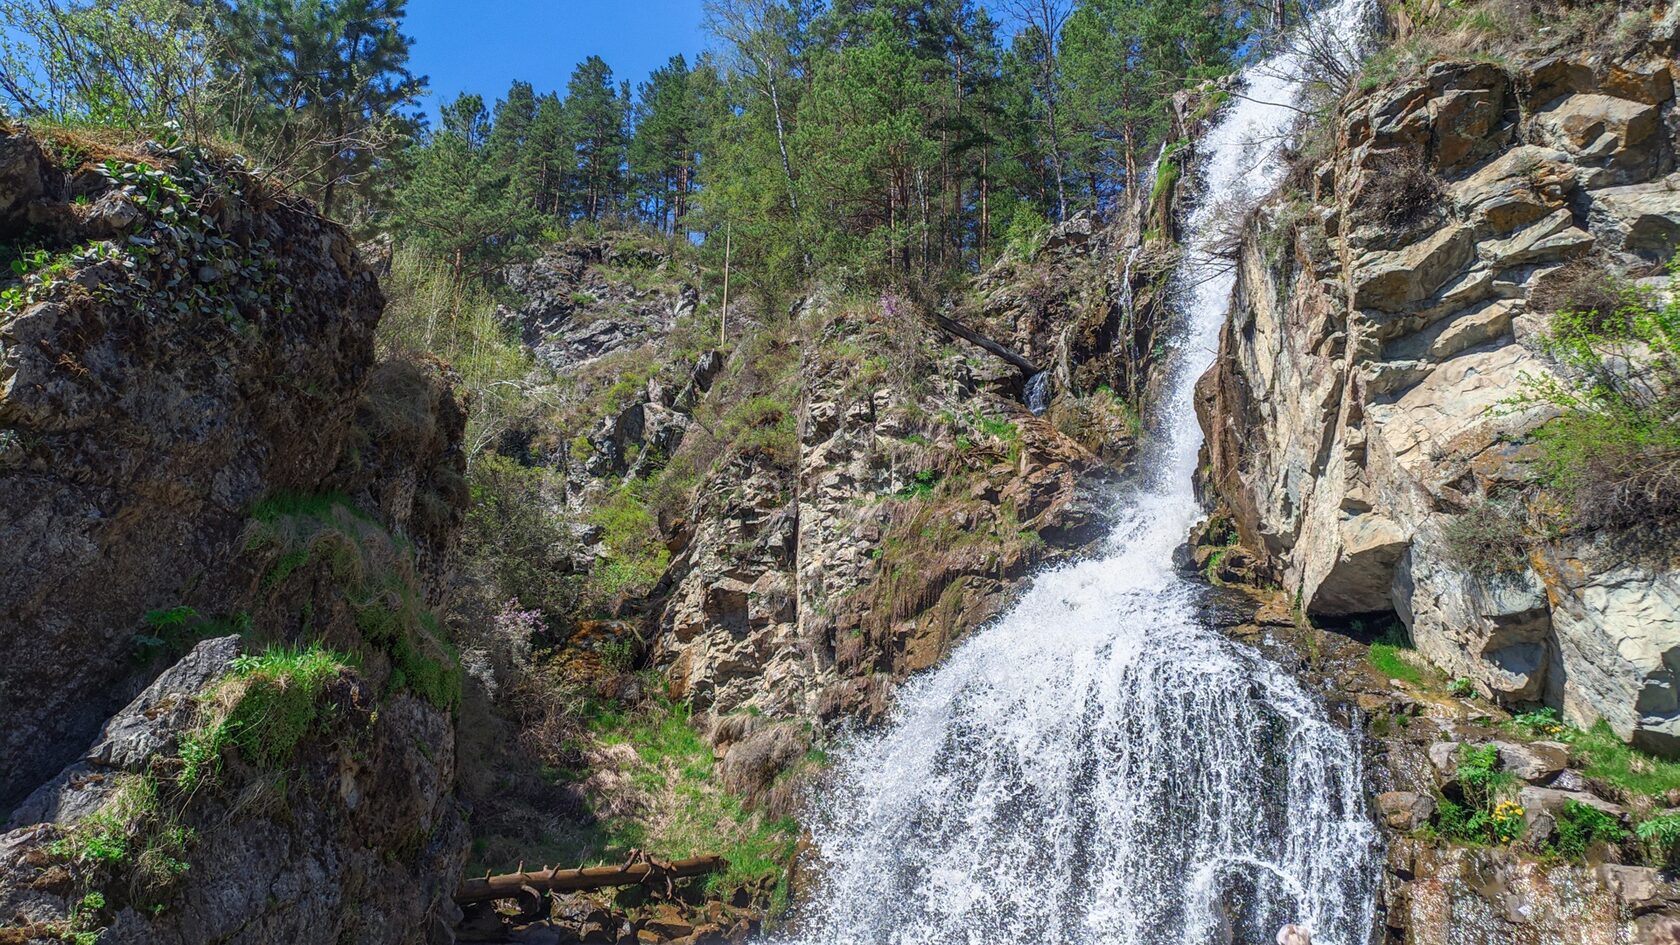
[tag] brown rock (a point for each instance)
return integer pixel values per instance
(1405, 810)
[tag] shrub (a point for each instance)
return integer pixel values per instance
(1488, 539)
(636, 553)
(1614, 453)
(1400, 190)
(515, 540)
(1481, 817)
(1579, 826)
(1028, 230)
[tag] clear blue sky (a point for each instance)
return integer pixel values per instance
(483, 45)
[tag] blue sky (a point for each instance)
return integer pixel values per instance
(483, 45)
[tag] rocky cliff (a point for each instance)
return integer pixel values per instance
(1378, 460)
(222, 512)
(1375, 386)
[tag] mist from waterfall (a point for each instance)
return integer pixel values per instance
(1099, 766)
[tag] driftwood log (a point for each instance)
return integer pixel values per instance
(514, 885)
(957, 329)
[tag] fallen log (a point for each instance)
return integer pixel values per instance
(953, 327)
(512, 885)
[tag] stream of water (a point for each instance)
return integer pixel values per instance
(1099, 766)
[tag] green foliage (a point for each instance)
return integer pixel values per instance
(1614, 454)
(132, 844)
(1481, 816)
(674, 766)
(1390, 661)
(1027, 232)
(1579, 826)
(1605, 757)
(265, 708)
(432, 309)
(1462, 687)
(921, 485)
(515, 540)
(1539, 723)
(320, 109)
(636, 554)
(131, 63)
(1660, 836)
(374, 572)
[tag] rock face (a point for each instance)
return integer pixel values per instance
(322, 873)
(581, 300)
(196, 440)
(812, 579)
(147, 400)
(1433, 889)
(1367, 384)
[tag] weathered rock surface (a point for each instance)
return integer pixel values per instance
(580, 301)
(140, 418)
(196, 440)
(1366, 388)
(312, 859)
(809, 585)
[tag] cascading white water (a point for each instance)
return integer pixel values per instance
(1099, 766)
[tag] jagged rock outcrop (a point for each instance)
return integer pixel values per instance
(903, 512)
(1385, 328)
(152, 393)
(581, 300)
(196, 441)
(313, 857)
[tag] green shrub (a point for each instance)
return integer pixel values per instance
(636, 553)
(1482, 816)
(1579, 826)
(1613, 456)
(1028, 230)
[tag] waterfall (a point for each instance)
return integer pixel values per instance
(1038, 393)
(1099, 766)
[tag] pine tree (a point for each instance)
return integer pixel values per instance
(455, 202)
(662, 153)
(595, 117)
(321, 88)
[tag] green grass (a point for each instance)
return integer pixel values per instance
(687, 812)
(1604, 756)
(265, 708)
(1389, 659)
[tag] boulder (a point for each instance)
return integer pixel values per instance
(1405, 810)
(1534, 762)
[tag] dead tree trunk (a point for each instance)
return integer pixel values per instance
(512, 885)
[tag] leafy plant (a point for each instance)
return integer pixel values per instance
(1660, 835)
(1463, 687)
(1579, 826)
(1613, 455)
